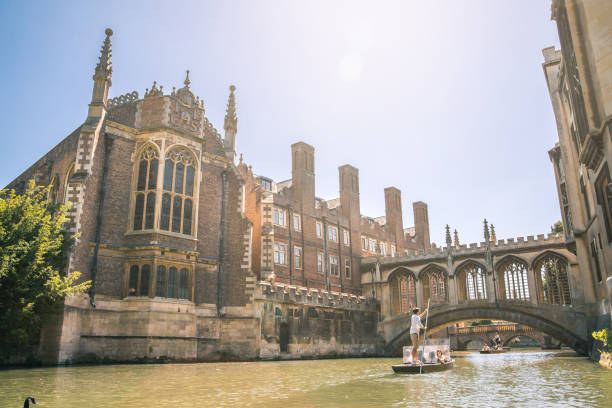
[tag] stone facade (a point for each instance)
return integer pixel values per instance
(300, 239)
(159, 211)
(579, 79)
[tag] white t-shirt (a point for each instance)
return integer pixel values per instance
(415, 324)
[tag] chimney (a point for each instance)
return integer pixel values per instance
(302, 174)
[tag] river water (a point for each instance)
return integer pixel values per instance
(516, 379)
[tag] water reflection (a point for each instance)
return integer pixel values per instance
(516, 379)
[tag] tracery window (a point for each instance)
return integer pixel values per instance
(516, 286)
(434, 285)
(553, 285)
(475, 281)
(403, 293)
(146, 186)
(178, 189)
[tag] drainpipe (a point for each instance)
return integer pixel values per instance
(108, 144)
(340, 237)
(326, 254)
(221, 245)
(291, 250)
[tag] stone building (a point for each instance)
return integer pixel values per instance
(579, 79)
(300, 239)
(160, 212)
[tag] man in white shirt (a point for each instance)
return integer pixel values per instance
(415, 329)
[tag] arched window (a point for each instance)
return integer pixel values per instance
(474, 279)
(172, 282)
(69, 175)
(146, 186)
(53, 190)
(178, 189)
(553, 285)
(515, 284)
(184, 284)
(434, 285)
(160, 281)
(403, 292)
(139, 280)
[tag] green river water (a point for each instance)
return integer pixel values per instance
(517, 379)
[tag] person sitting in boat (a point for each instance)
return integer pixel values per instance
(440, 357)
(415, 330)
(486, 348)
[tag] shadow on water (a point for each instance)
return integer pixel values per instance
(515, 379)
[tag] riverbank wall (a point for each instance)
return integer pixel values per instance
(280, 322)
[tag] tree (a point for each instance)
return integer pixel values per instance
(33, 251)
(557, 228)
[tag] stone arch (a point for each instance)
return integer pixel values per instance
(434, 279)
(402, 287)
(564, 327)
(536, 338)
(551, 277)
(513, 278)
(464, 344)
(69, 174)
(471, 279)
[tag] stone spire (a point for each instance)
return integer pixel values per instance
(456, 239)
(104, 69)
(449, 242)
(230, 125)
(187, 81)
(103, 72)
(486, 230)
(493, 236)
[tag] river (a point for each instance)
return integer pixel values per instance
(516, 379)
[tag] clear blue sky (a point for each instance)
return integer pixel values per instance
(445, 100)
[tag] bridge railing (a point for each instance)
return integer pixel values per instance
(492, 328)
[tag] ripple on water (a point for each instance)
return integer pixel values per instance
(516, 379)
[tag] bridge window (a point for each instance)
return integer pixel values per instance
(515, 280)
(403, 293)
(475, 280)
(553, 284)
(434, 285)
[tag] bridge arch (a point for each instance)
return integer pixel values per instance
(538, 339)
(566, 326)
(402, 284)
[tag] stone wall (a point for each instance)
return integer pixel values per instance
(314, 323)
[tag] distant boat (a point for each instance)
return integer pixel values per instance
(492, 351)
(427, 367)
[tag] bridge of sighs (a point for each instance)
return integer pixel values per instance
(533, 281)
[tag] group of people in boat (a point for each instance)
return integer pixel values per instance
(496, 344)
(416, 327)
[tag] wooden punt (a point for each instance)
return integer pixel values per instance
(427, 368)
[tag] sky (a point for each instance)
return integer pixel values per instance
(445, 100)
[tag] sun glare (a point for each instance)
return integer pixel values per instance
(350, 67)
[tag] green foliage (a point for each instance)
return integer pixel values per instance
(557, 228)
(602, 336)
(33, 250)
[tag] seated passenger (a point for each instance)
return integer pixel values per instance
(440, 357)
(486, 348)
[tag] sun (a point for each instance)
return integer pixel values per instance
(350, 67)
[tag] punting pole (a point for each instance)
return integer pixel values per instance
(424, 338)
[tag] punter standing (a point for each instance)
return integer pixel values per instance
(415, 330)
